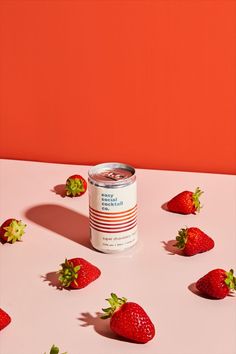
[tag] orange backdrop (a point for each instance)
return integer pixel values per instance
(150, 83)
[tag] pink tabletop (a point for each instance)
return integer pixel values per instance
(150, 273)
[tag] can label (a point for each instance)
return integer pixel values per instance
(113, 216)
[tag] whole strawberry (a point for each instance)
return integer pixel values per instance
(12, 230)
(75, 186)
(129, 320)
(217, 284)
(192, 240)
(185, 202)
(5, 319)
(76, 273)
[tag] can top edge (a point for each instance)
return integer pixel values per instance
(112, 173)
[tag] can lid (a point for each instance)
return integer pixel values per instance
(113, 174)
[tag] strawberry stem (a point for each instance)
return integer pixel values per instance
(68, 273)
(14, 231)
(115, 303)
(54, 350)
(182, 238)
(196, 201)
(74, 186)
(230, 280)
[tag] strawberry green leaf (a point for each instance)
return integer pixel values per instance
(182, 238)
(14, 231)
(68, 273)
(196, 201)
(115, 303)
(230, 280)
(54, 350)
(74, 186)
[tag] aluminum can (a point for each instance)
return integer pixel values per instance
(112, 207)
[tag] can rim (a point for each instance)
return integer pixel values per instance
(118, 183)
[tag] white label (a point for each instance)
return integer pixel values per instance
(113, 217)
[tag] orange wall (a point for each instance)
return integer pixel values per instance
(150, 83)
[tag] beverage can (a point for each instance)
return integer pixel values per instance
(112, 207)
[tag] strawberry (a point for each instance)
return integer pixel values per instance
(129, 320)
(192, 241)
(54, 350)
(12, 230)
(76, 273)
(5, 319)
(185, 202)
(75, 186)
(217, 284)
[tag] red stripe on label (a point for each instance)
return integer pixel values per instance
(113, 228)
(113, 231)
(107, 214)
(130, 216)
(97, 223)
(112, 216)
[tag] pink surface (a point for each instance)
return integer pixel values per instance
(150, 274)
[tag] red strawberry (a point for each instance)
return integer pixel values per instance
(192, 241)
(5, 319)
(75, 186)
(217, 283)
(76, 273)
(129, 320)
(185, 202)
(12, 230)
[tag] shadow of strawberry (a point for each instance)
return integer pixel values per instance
(100, 325)
(170, 247)
(60, 189)
(52, 279)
